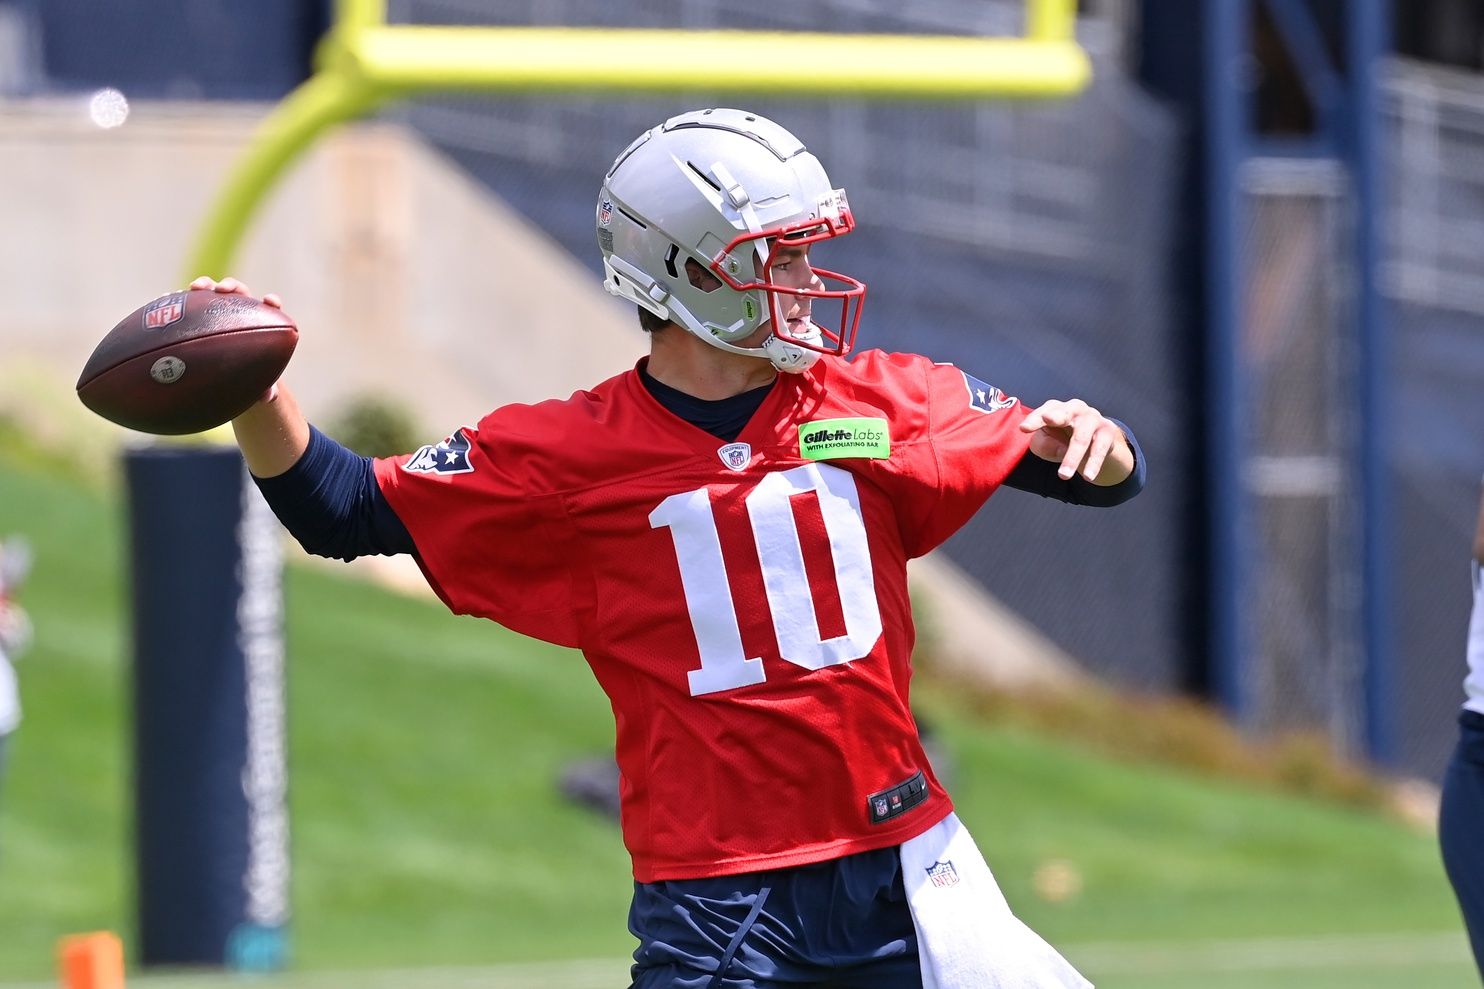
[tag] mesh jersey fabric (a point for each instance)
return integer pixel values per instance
(747, 615)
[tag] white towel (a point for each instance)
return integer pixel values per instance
(967, 938)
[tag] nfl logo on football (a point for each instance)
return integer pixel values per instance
(164, 312)
(943, 874)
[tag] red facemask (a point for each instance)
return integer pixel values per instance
(850, 292)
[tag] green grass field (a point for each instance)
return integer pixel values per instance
(431, 847)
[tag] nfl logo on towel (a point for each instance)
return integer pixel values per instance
(943, 874)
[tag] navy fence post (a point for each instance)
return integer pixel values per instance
(1225, 31)
(211, 831)
(1368, 41)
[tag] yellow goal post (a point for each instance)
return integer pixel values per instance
(364, 61)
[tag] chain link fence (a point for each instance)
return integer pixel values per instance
(1434, 284)
(1303, 600)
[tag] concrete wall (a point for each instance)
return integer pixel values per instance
(402, 275)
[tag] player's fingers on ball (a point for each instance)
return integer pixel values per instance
(204, 282)
(273, 300)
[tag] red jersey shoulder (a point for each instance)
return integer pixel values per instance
(514, 443)
(595, 436)
(538, 445)
(911, 381)
(915, 393)
(894, 386)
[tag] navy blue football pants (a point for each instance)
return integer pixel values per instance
(1461, 827)
(842, 924)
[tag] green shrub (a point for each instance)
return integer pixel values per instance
(374, 426)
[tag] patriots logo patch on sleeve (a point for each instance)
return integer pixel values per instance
(985, 397)
(449, 457)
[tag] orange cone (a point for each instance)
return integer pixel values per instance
(91, 961)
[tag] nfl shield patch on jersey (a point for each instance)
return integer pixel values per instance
(736, 455)
(449, 457)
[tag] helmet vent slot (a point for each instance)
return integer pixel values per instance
(670, 256)
(704, 177)
(642, 225)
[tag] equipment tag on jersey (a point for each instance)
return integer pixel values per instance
(834, 439)
(897, 800)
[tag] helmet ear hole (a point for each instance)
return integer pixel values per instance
(699, 277)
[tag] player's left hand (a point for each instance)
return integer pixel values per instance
(1080, 438)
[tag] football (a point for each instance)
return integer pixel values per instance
(187, 362)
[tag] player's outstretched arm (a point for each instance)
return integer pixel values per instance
(273, 433)
(331, 502)
(1081, 440)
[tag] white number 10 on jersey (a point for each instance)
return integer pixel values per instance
(708, 595)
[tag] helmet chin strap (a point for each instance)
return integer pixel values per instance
(787, 357)
(790, 357)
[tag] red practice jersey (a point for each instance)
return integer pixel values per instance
(743, 605)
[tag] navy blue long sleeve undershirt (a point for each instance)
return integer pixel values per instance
(330, 501)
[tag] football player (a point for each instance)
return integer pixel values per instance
(723, 531)
(1461, 815)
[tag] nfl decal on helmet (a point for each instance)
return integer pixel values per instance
(729, 190)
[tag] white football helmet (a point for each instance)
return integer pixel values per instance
(728, 189)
